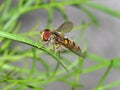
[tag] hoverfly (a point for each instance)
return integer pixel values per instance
(57, 38)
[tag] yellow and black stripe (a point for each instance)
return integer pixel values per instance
(68, 44)
(71, 46)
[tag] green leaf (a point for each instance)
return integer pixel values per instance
(110, 85)
(50, 16)
(104, 9)
(103, 61)
(77, 75)
(88, 13)
(22, 39)
(105, 75)
(45, 65)
(33, 63)
(61, 10)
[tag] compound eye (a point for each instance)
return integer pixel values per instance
(45, 35)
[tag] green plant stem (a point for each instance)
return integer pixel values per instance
(104, 9)
(110, 85)
(54, 4)
(103, 61)
(27, 41)
(105, 75)
(33, 63)
(77, 75)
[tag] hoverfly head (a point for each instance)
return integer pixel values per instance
(45, 34)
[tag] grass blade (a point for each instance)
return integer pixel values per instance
(22, 39)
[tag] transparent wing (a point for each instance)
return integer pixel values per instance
(65, 27)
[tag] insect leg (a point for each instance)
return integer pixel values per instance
(53, 46)
(58, 46)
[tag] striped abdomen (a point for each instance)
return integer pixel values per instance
(68, 44)
(71, 46)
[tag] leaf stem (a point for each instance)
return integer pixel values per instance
(22, 39)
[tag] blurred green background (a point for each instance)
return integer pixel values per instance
(26, 64)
